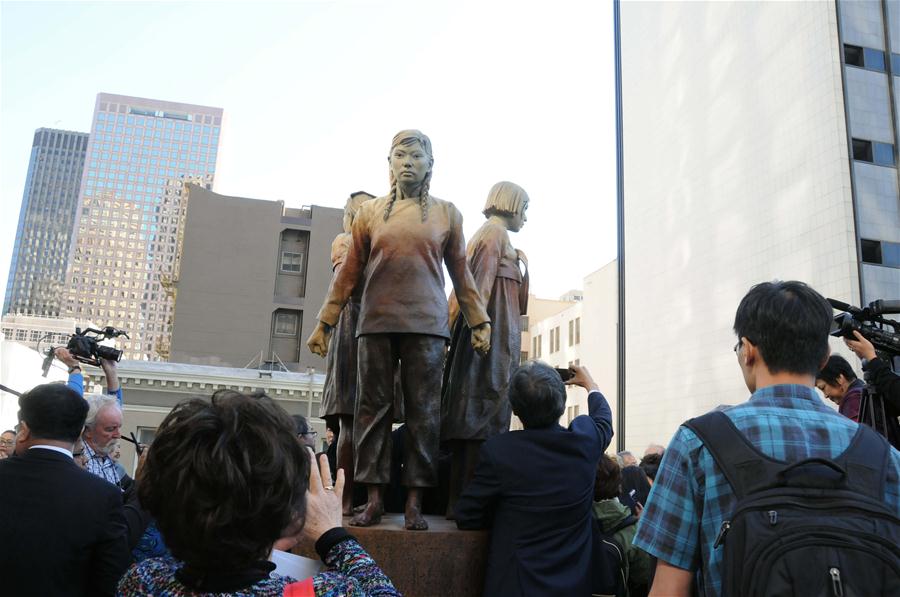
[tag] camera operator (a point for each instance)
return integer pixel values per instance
(76, 377)
(881, 379)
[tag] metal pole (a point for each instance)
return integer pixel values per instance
(620, 230)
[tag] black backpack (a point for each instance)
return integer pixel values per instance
(813, 527)
(608, 561)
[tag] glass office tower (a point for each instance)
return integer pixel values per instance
(141, 154)
(46, 220)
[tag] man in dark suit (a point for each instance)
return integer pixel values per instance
(62, 530)
(534, 488)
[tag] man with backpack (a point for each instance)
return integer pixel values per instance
(780, 494)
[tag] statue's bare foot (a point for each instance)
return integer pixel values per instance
(371, 515)
(414, 519)
(356, 509)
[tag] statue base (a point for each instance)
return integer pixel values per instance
(438, 562)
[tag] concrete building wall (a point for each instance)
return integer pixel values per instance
(736, 172)
(228, 302)
(599, 351)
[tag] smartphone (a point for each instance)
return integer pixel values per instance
(565, 374)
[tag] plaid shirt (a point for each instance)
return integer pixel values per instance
(101, 465)
(691, 497)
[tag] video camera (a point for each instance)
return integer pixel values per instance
(869, 322)
(85, 347)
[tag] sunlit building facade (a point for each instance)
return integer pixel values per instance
(760, 143)
(141, 154)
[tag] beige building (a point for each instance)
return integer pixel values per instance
(582, 332)
(151, 389)
(30, 330)
(251, 278)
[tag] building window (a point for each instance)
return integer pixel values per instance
(286, 324)
(577, 330)
(554, 340)
(867, 58)
(873, 152)
(880, 252)
(536, 346)
(571, 332)
(523, 357)
(292, 262)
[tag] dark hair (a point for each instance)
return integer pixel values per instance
(608, 480)
(53, 411)
(8, 431)
(301, 425)
(834, 368)
(537, 394)
(789, 323)
(634, 478)
(224, 478)
(650, 464)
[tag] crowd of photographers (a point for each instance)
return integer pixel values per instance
(232, 477)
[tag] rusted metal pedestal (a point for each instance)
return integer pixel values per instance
(441, 561)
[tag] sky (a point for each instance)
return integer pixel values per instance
(313, 92)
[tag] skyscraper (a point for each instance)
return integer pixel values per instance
(141, 153)
(46, 221)
(760, 143)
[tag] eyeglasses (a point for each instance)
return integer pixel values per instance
(312, 433)
(737, 346)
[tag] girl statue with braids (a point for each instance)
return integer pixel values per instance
(475, 403)
(400, 243)
(339, 395)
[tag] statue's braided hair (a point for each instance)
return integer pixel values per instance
(409, 137)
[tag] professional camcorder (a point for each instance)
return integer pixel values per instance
(884, 334)
(85, 347)
(869, 322)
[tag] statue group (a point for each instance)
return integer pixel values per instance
(386, 322)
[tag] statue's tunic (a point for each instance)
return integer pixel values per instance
(403, 320)
(475, 404)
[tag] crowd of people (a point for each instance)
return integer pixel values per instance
(231, 478)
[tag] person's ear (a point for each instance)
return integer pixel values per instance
(24, 433)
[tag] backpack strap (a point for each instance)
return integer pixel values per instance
(745, 467)
(866, 462)
(623, 524)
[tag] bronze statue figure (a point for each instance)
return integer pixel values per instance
(474, 402)
(339, 394)
(400, 243)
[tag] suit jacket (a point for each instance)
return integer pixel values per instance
(62, 530)
(534, 489)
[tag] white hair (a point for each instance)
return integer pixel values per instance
(98, 403)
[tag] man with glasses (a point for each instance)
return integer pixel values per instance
(7, 443)
(782, 330)
(305, 434)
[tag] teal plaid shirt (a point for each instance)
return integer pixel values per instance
(691, 497)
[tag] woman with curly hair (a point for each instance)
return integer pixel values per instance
(225, 479)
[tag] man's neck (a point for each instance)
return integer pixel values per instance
(49, 442)
(764, 379)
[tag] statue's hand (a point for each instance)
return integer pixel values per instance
(318, 341)
(481, 338)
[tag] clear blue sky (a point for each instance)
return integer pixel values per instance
(314, 91)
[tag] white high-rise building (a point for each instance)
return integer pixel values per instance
(759, 143)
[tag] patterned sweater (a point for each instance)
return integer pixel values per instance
(351, 572)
